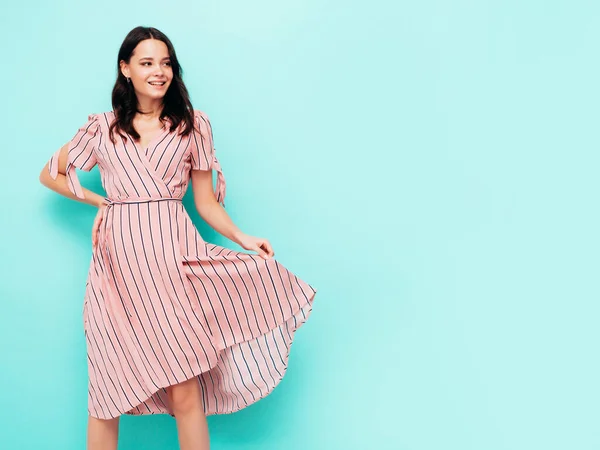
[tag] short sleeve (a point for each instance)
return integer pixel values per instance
(81, 154)
(203, 152)
(203, 149)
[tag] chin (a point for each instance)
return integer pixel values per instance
(154, 95)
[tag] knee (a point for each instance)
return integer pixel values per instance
(185, 397)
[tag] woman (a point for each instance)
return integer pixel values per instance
(173, 325)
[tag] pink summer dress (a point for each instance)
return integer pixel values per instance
(161, 305)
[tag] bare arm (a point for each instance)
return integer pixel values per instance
(60, 184)
(209, 209)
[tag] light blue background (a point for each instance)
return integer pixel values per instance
(430, 167)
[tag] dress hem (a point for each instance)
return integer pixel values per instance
(198, 372)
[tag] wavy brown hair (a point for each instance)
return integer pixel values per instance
(177, 106)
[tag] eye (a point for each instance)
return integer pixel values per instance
(168, 63)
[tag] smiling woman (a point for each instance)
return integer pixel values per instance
(173, 324)
(158, 83)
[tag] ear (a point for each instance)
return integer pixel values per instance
(123, 66)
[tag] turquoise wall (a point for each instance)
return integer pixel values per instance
(429, 167)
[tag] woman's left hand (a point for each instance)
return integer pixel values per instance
(260, 245)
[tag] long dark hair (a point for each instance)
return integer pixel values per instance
(177, 106)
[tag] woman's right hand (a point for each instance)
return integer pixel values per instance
(97, 223)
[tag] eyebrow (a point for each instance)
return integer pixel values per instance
(149, 57)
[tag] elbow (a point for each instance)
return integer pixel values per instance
(205, 205)
(200, 208)
(44, 177)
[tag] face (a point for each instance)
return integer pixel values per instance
(149, 69)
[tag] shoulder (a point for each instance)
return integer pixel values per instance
(200, 115)
(91, 125)
(202, 121)
(100, 118)
(104, 115)
(93, 117)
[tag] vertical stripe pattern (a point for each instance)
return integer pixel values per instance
(163, 306)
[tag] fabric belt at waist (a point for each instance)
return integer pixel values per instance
(110, 201)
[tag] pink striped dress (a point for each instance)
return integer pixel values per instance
(163, 306)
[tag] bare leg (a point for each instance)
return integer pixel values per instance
(192, 427)
(102, 434)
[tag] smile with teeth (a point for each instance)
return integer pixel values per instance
(156, 83)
